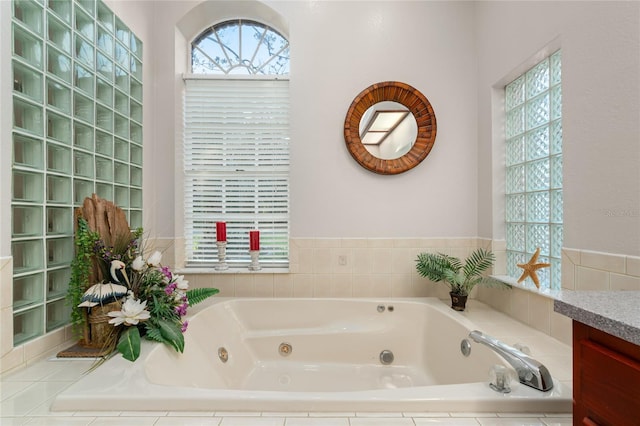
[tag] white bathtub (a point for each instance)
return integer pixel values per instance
(333, 365)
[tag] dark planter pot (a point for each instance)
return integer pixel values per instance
(458, 302)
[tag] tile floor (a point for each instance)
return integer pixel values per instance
(26, 394)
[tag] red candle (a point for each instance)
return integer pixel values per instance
(254, 240)
(221, 231)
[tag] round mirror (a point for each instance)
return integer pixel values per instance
(390, 128)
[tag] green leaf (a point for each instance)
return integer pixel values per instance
(129, 343)
(153, 332)
(197, 295)
(171, 334)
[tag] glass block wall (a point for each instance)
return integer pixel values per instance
(533, 104)
(77, 130)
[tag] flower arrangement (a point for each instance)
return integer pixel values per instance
(150, 300)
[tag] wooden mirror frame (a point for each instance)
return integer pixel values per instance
(415, 102)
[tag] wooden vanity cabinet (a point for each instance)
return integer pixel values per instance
(606, 379)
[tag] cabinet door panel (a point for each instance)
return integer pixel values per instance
(610, 386)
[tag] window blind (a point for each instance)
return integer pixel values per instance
(236, 166)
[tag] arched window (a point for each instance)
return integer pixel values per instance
(236, 144)
(240, 47)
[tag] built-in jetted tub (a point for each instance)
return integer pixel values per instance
(313, 355)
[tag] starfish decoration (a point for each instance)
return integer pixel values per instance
(530, 268)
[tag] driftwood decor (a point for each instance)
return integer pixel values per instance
(110, 224)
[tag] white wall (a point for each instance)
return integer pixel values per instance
(600, 44)
(337, 50)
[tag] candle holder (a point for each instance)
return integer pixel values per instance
(222, 256)
(255, 262)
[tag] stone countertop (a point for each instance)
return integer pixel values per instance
(614, 312)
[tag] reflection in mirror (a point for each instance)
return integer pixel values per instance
(388, 130)
(377, 116)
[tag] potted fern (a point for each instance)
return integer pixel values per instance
(460, 277)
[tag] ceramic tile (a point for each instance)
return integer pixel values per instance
(35, 372)
(303, 285)
(8, 389)
(283, 285)
(68, 371)
(6, 282)
(191, 414)
(603, 261)
(226, 284)
(331, 414)
(624, 282)
(341, 261)
(6, 330)
(322, 285)
(146, 414)
(188, 421)
(362, 262)
(403, 260)
(23, 402)
(317, 421)
(633, 266)
(572, 255)
(60, 421)
(322, 261)
(540, 309)
(97, 413)
(401, 285)
(561, 328)
(381, 286)
(379, 243)
(426, 414)
(382, 263)
(120, 421)
(341, 285)
(240, 414)
(443, 421)
(11, 360)
(378, 414)
(245, 285)
(557, 421)
(306, 258)
(15, 421)
(353, 243)
(252, 421)
(284, 414)
(263, 285)
(591, 279)
(520, 305)
(473, 414)
(520, 421)
(327, 243)
(519, 415)
(380, 421)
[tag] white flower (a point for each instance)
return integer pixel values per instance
(138, 264)
(133, 311)
(181, 283)
(155, 258)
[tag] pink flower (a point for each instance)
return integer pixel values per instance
(184, 326)
(170, 288)
(182, 309)
(166, 272)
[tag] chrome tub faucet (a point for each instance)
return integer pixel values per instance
(530, 372)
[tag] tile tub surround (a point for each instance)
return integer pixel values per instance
(27, 393)
(363, 267)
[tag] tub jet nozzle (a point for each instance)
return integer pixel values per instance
(386, 357)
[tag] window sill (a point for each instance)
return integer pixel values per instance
(202, 271)
(530, 287)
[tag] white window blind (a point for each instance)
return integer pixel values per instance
(236, 165)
